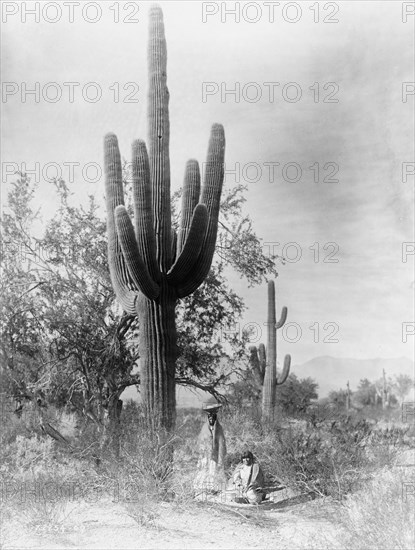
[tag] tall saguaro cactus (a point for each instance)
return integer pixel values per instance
(151, 268)
(264, 361)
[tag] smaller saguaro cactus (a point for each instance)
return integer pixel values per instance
(264, 361)
(384, 392)
(348, 397)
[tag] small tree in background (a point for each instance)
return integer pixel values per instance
(402, 385)
(365, 394)
(296, 395)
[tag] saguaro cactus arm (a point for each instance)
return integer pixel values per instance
(192, 247)
(143, 208)
(128, 268)
(121, 280)
(137, 268)
(211, 193)
(190, 198)
(283, 318)
(285, 371)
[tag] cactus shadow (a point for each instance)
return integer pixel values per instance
(287, 502)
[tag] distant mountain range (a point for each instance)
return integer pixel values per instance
(330, 373)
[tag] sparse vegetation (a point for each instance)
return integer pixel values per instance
(351, 462)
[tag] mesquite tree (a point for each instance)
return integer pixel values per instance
(264, 361)
(151, 267)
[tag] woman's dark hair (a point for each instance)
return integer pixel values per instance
(247, 454)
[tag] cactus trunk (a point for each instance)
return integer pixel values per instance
(158, 358)
(150, 268)
(268, 393)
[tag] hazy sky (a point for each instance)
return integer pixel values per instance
(338, 108)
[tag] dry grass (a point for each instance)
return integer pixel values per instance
(44, 515)
(145, 511)
(382, 514)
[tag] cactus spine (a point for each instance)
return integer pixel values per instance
(150, 267)
(264, 361)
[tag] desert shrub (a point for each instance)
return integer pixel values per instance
(326, 461)
(42, 483)
(27, 422)
(148, 455)
(13, 425)
(326, 458)
(385, 442)
(242, 431)
(144, 471)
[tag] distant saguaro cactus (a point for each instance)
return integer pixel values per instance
(384, 392)
(348, 397)
(151, 268)
(264, 361)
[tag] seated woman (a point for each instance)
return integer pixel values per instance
(248, 478)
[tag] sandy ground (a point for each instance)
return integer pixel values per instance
(288, 522)
(287, 525)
